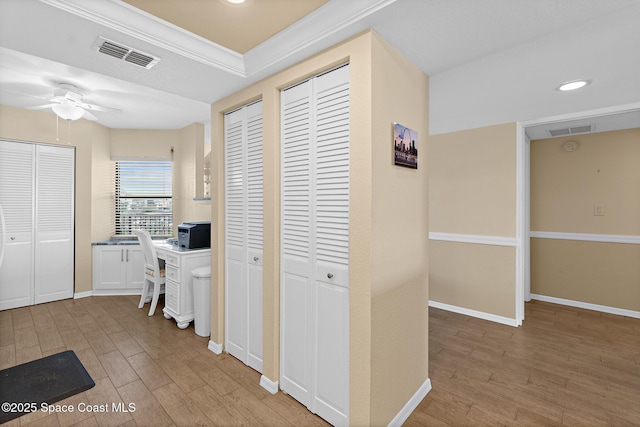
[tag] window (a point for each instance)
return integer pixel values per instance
(143, 197)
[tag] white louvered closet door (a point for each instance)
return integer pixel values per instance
(243, 234)
(54, 228)
(315, 244)
(17, 200)
(37, 196)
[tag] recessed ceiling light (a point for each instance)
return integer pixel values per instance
(236, 1)
(573, 85)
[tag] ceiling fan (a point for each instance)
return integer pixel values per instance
(67, 103)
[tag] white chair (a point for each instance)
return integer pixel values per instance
(154, 272)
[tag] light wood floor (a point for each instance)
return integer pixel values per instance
(168, 373)
(564, 366)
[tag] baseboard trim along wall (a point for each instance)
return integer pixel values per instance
(471, 238)
(85, 294)
(116, 292)
(411, 405)
(583, 237)
(215, 347)
(474, 313)
(267, 384)
(587, 306)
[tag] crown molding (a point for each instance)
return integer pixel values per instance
(313, 28)
(319, 25)
(122, 17)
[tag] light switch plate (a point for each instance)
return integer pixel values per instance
(598, 210)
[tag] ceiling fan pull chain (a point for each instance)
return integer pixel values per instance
(69, 134)
(57, 129)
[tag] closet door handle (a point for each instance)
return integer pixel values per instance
(127, 255)
(330, 275)
(255, 258)
(121, 255)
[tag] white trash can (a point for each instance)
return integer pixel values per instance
(202, 300)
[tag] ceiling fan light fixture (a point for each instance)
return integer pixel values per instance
(68, 111)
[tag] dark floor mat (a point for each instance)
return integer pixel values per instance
(26, 387)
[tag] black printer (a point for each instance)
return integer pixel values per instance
(194, 235)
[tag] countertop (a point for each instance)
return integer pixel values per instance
(160, 243)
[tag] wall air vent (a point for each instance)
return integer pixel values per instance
(571, 130)
(125, 53)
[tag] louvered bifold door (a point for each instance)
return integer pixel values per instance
(315, 244)
(331, 299)
(254, 198)
(54, 227)
(17, 201)
(296, 236)
(243, 234)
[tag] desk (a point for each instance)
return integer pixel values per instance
(178, 294)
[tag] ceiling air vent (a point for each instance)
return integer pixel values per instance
(571, 130)
(125, 53)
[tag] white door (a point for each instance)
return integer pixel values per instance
(315, 244)
(54, 241)
(17, 200)
(243, 234)
(37, 196)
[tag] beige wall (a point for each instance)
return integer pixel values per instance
(102, 186)
(597, 273)
(472, 191)
(477, 277)
(472, 186)
(565, 186)
(401, 303)
(399, 262)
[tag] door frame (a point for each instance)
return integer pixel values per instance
(523, 197)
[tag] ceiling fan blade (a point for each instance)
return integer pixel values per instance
(43, 107)
(94, 107)
(89, 116)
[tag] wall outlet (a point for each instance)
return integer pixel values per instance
(598, 210)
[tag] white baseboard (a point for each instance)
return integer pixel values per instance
(411, 405)
(588, 306)
(267, 384)
(473, 313)
(82, 294)
(116, 292)
(215, 347)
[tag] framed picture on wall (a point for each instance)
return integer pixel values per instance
(405, 142)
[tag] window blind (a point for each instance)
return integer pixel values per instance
(143, 197)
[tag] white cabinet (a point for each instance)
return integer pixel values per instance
(118, 269)
(178, 294)
(314, 286)
(37, 197)
(243, 234)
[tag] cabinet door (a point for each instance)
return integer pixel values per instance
(17, 200)
(134, 259)
(109, 267)
(54, 225)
